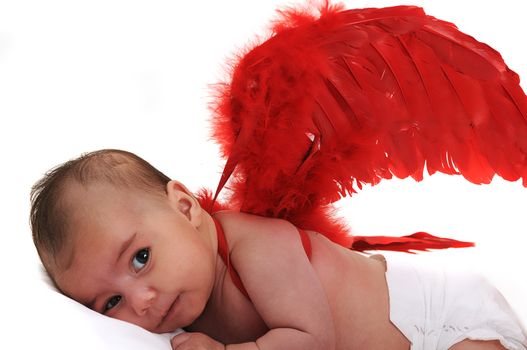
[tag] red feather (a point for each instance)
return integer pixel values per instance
(352, 97)
(417, 241)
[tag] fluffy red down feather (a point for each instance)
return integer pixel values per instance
(350, 97)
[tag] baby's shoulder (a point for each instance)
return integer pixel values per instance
(247, 229)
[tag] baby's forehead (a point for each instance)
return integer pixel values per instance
(81, 265)
(90, 239)
(99, 213)
(87, 208)
(102, 212)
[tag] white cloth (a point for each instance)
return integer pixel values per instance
(436, 309)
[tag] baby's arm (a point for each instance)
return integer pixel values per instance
(284, 288)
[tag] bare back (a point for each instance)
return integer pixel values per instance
(353, 285)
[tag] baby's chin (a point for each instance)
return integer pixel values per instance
(173, 326)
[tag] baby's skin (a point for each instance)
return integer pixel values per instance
(152, 260)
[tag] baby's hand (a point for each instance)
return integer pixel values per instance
(195, 341)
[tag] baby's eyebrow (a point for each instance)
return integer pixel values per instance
(125, 246)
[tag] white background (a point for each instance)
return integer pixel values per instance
(77, 76)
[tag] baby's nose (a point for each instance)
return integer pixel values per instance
(141, 300)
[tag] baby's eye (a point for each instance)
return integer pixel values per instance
(140, 259)
(112, 302)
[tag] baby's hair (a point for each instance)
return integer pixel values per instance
(49, 214)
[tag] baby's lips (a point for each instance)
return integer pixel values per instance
(168, 311)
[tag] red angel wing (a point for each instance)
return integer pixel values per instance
(352, 97)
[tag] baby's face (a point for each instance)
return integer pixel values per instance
(136, 258)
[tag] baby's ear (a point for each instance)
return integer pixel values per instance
(182, 200)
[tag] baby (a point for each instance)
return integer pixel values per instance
(119, 236)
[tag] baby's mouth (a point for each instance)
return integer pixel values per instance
(168, 312)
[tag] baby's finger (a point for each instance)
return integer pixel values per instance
(179, 339)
